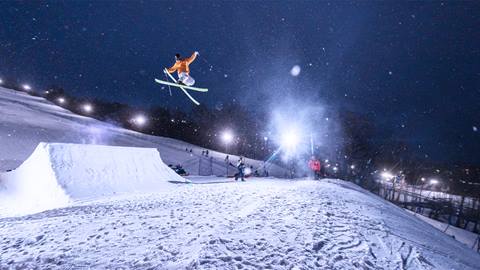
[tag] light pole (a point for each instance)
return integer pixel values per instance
(139, 120)
(433, 182)
(87, 108)
(227, 137)
(421, 188)
(311, 144)
(61, 100)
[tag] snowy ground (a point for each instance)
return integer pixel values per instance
(468, 238)
(258, 224)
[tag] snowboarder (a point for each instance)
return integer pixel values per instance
(183, 69)
(315, 166)
(241, 167)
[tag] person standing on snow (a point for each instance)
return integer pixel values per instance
(314, 165)
(183, 69)
(241, 167)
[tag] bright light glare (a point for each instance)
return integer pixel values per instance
(87, 108)
(387, 175)
(227, 136)
(61, 100)
(433, 181)
(26, 87)
(352, 167)
(290, 139)
(1, 81)
(140, 120)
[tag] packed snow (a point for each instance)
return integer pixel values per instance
(261, 223)
(467, 237)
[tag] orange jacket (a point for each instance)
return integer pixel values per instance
(182, 65)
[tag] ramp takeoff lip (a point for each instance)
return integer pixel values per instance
(57, 173)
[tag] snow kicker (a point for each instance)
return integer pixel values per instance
(56, 173)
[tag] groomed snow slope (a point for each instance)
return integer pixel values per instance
(26, 120)
(259, 224)
(55, 173)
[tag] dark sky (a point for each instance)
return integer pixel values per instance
(414, 67)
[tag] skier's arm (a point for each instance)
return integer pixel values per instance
(192, 58)
(173, 68)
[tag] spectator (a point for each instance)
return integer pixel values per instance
(241, 168)
(315, 167)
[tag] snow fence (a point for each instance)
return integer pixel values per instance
(56, 173)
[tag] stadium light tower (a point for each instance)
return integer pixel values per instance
(87, 107)
(61, 100)
(227, 138)
(387, 175)
(140, 120)
(290, 139)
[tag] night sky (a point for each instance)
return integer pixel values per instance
(413, 68)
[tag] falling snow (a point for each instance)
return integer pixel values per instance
(295, 71)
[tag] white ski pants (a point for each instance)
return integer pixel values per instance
(186, 79)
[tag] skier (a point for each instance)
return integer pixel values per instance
(241, 167)
(183, 69)
(315, 166)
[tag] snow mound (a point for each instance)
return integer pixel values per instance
(57, 173)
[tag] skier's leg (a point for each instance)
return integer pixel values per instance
(181, 77)
(188, 80)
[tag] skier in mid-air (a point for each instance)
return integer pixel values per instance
(183, 70)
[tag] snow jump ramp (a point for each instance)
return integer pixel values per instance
(56, 173)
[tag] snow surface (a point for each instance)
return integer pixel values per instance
(56, 173)
(26, 120)
(258, 224)
(467, 237)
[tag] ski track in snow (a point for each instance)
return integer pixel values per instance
(260, 224)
